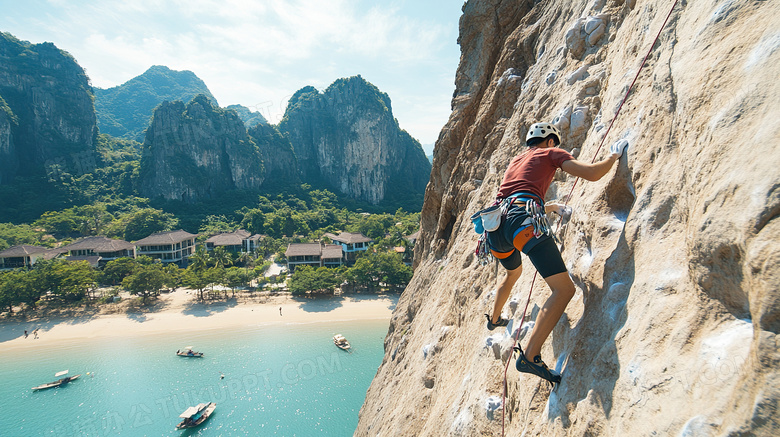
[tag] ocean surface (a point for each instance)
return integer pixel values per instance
(286, 380)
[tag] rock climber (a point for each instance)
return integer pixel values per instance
(526, 180)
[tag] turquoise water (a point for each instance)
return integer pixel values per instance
(287, 380)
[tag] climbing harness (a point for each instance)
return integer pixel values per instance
(490, 219)
(533, 281)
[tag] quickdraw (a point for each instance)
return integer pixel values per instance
(539, 219)
(483, 250)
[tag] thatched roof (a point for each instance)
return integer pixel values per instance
(22, 251)
(349, 237)
(99, 244)
(162, 238)
(332, 251)
(229, 238)
(303, 249)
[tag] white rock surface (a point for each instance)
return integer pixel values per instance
(674, 253)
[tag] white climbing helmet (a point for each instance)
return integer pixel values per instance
(542, 130)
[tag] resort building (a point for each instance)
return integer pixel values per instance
(98, 250)
(351, 244)
(168, 247)
(236, 242)
(24, 255)
(313, 254)
(252, 243)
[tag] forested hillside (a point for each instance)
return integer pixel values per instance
(200, 167)
(125, 111)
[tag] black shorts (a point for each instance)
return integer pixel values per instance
(515, 235)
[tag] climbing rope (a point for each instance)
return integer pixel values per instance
(566, 201)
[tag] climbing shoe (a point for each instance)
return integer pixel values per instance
(501, 322)
(537, 367)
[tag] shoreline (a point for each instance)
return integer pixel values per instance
(180, 313)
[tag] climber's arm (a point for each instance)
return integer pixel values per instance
(590, 172)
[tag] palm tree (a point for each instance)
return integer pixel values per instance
(221, 257)
(200, 259)
(246, 259)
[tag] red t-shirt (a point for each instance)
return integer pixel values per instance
(532, 171)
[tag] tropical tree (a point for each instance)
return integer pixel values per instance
(374, 269)
(13, 235)
(76, 279)
(7, 297)
(173, 276)
(117, 270)
(221, 258)
(15, 288)
(216, 224)
(361, 274)
(148, 221)
(146, 281)
(392, 271)
(59, 222)
(93, 218)
(307, 279)
(200, 259)
(253, 221)
(198, 279)
(236, 277)
(245, 259)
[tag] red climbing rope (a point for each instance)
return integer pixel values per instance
(566, 201)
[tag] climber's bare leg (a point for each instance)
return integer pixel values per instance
(562, 292)
(504, 290)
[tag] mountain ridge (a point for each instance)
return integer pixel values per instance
(347, 138)
(125, 110)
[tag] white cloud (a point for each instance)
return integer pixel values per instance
(257, 51)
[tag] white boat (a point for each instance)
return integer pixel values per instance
(195, 416)
(341, 342)
(188, 352)
(58, 382)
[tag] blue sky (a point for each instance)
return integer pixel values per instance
(257, 53)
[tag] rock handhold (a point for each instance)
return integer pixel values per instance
(575, 41)
(585, 33)
(428, 381)
(550, 79)
(595, 27)
(578, 74)
(563, 119)
(579, 122)
(492, 404)
(510, 77)
(429, 350)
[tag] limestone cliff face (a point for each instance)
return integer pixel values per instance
(281, 165)
(347, 138)
(49, 116)
(9, 162)
(673, 329)
(197, 151)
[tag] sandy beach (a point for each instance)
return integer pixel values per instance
(180, 311)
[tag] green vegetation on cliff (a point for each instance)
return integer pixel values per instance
(125, 111)
(250, 118)
(48, 100)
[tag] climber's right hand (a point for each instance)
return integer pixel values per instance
(618, 147)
